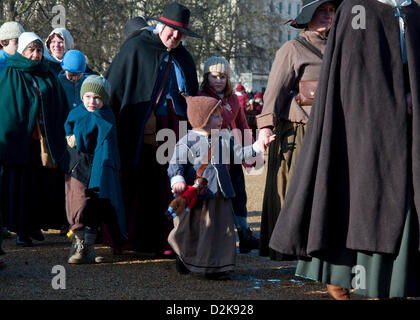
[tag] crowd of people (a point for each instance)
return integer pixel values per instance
(83, 156)
(339, 118)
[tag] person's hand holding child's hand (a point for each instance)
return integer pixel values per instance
(265, 138)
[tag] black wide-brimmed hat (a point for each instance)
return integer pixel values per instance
(308, 9)
(177, 16)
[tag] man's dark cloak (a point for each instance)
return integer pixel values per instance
(360, 156)
(133, 75)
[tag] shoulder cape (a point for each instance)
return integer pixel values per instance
(134, 70)
(133, 75)
(19, 104)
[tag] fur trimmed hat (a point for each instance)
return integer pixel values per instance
(199, 110)
(217, 64)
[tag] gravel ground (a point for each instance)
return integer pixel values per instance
(131, 276)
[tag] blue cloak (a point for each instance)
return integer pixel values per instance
(96, 134)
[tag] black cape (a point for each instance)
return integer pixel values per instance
(361, 153)
(133, 76)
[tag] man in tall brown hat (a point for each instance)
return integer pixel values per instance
(147, 77)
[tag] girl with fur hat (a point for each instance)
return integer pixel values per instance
(9, 34)
(204, 238)
(32, 142)
(216, 83)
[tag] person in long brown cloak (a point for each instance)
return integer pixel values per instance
(352, 203)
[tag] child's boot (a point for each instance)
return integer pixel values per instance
(77, 250)
(90, 237)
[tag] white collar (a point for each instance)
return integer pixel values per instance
(201, 132)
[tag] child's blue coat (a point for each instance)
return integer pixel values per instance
(95, 133)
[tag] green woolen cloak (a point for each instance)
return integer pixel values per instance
(19, 106)
(361, 152)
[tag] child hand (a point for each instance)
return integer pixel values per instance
(71, 141)
(179, 187)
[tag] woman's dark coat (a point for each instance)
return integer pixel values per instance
(358, 160)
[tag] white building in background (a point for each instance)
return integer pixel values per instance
(253, 72)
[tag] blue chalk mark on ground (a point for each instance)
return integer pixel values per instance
(298, 282)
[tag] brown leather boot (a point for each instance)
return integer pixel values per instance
(338, 293)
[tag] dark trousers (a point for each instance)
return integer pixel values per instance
(238, 182)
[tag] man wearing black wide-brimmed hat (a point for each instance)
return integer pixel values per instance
(146, 77)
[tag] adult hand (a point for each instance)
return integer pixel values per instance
(263, 144)
(264, 137)
(179, 187)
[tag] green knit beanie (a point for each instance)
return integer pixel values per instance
(98, 85)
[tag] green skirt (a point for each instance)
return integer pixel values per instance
(372, 274)
(282, 156)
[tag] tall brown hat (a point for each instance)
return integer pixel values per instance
(199, 110)
(177, 16)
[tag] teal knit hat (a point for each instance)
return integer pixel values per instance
(98, 85)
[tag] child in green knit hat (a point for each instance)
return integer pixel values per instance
(93, 192)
